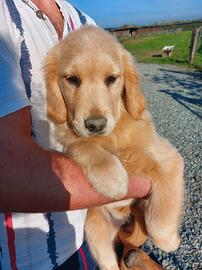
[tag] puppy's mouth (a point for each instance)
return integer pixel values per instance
(82, 132)
(101, 133)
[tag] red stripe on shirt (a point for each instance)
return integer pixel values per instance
(83, 258)
(11, 240)
(71, 22)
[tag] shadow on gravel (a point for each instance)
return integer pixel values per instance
(184, 86)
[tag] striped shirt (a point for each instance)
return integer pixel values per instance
(34, 241)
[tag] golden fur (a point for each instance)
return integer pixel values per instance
(89, 75)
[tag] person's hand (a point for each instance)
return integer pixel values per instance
(139, 187)
(84, 196)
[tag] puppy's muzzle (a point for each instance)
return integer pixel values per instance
(95, 124)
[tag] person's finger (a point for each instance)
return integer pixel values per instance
(139, 187)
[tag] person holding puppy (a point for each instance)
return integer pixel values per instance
(39, 185)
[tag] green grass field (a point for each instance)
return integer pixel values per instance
(148, 49)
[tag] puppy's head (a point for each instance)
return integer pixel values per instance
(89, 78)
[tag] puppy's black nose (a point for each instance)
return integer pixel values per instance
(95, 125)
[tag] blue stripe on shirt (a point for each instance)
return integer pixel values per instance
(51, 242)
(25, 63)
(82, 17)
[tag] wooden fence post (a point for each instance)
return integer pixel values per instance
(193, 45)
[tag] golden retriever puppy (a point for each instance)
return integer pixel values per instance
(101, 118)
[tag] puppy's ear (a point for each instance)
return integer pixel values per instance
(56, 106)
(133, 97)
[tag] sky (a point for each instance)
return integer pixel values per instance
(115, 13)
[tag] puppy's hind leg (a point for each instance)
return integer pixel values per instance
(163, 212)
(100, 235)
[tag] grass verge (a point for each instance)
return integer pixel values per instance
(148, 49)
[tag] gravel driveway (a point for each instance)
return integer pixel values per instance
(175, 100)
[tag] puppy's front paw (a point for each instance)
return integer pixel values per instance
(169, 243)
(109, 178)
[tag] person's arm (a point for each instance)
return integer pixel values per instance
(36, 180)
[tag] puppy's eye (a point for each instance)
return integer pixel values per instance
(110, 80)
(74, 80)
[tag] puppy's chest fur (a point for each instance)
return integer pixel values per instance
(130, 141)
